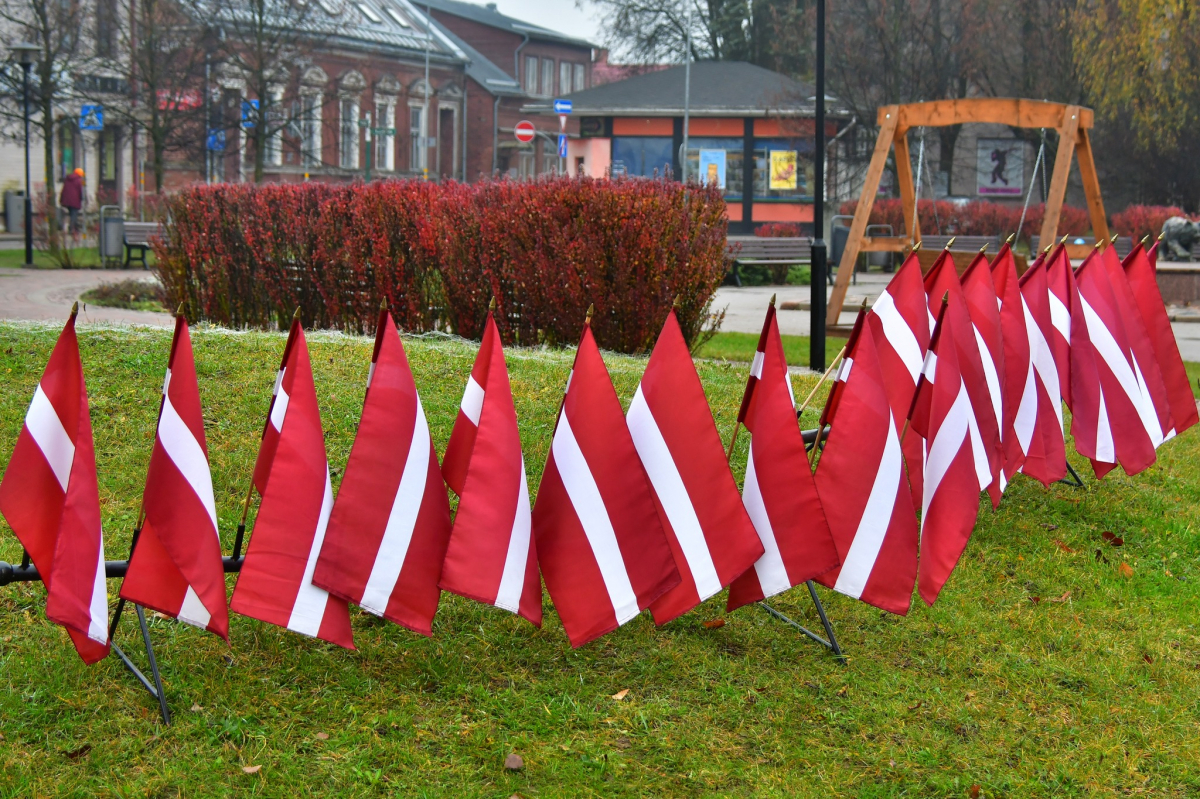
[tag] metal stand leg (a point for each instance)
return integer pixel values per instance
(156, 688)
(831, 642)
(1076, 481)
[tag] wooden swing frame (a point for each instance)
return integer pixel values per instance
(1071, 121)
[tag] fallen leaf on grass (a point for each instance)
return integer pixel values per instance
(1063, 546)
(843, 690)
(714, 624)
(196, 708)
(623, 743)
(1035, 599)
(1113, 539)
(1147, 658)
(251, 769)
(974, 792)
(80, 752)
(514, 762)
(619, 695)
(1125, 569)
(917, 705)
(1050, 526)
(322, 736)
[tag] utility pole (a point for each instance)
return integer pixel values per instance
(425, 107)
(816, 357)
(687, 93)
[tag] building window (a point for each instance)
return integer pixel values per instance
(712, 151)
(349, 130)
(580, 78)
(564, 77)
(106, 28)
(273, 119)
(531, 74)
(641, 156)
(385, 150)
(310, 130)
(416, 132)
(798, 153)
(547, 76)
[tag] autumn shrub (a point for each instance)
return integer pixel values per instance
(778, 230)
(975, 218)
(1144, 220)
(546, 250)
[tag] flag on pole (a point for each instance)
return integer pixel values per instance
(711, 536)
(50, 497)
(860, 478)
(1139, 269)
(391, 522)
(1018, 368)
(176, 564)
(779, 492)
(275, 584)
(899, 323)
(983, 308)
(273, 423)
(979, 373)
(600, 543)
(1039, 422)
(491, 557)
(957, 467)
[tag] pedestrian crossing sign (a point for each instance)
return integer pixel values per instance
(91, 117)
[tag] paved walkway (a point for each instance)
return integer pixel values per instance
(47, 294)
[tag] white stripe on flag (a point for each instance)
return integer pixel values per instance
(589, 507)
(1026, 418)
(193, 611)
(1060, 317)
(668, 484)
(983, 469)
(184, 451)
(876, 517)
(48, 432)
(770, 569)
(472, 401)
(756, 365)
(1043, 361)
(98, 607)
(309, 608)
(1110, 352)
(993, 379)
(279, 408)
(929, 367)
(898, 334)
(512, 580)
(402, 521)
(843, 373)
(944, 448)
(1106, 451)
(1156, 432)
(370, 374)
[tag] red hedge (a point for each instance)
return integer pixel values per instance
(1144, 220)
(778, 230)
(243, 255)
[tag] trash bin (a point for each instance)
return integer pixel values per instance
(14, 211)
(112, 234)
(880, 259)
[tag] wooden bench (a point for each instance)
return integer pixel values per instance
(778, 253)
(137, 237)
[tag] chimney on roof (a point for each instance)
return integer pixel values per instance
(491, 6)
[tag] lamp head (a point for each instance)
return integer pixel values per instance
(25, 53)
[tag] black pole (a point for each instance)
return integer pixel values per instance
(816, 358)
(28, 186)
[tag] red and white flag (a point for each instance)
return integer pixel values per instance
(51, 498)
(860, 478)
(390, 525)
(275, 584)
(983, 306)
(779, 492)
(491, 557)
(957, 468)
(1139, 270)
(176, 565)
(899, 323)
(1039, 422)
(1018, 368)
(711, 536)
(979, 372)
(600, 543)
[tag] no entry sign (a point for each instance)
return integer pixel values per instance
(524, 131)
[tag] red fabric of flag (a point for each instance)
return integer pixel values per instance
(1039, 422)
(983, 306)
(860, 478)
(391, 522)
(50, 497)
(711, 536)
(176, 565)
(491, 557)
(779, 492)
(1014, 337)
(600, 544)
(275, 584)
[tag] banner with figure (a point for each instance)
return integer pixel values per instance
(1000, 167)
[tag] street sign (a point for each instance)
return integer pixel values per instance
(249, 113)
(562, 145)
(562, 106)
(216, 141)
(562, 122)
(384, 131)
(91, 117)
(524, 131)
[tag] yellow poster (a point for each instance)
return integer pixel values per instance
(783, 169)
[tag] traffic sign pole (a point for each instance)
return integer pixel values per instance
(562, 108)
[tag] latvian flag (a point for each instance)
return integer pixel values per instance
(600, 544)
(860, 478)
(176, 565)
(275, 584)
(387, 537)
(711, 536)
(491, 555)
(1018, 369)
(1039, 422)
(779, 492)
(51, 498)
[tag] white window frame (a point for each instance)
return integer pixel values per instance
(311, 153)
(385, 142)
(532, 71)
(273, 116)
(418, 152)
(349, 133)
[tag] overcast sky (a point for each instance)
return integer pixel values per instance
(563, 16)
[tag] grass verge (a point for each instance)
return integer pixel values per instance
(132, 294)
(740, 347)
(1046, 669)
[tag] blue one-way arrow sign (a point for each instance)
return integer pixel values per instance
(562, 106)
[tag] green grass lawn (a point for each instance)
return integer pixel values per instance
(82, 257)
(1055, 664)
(741, 347)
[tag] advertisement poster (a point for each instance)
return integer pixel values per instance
(783, 169)
(1000, 167)
(712, 167)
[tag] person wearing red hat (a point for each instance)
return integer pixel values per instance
(71, 199)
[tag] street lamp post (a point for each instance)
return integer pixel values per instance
(819, 254)
(26, 54)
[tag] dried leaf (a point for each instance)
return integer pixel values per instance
(1035, 599)
(1050, 526)
(624, 743)
(917, 705)
(251, 769)
(714, 624)
(1147, 658)
(1100, 557)
(843, 690)
(514, 762)
(619, 695)
(80, 752)
(974, 792)
(1113, 539)
(1125, 569)
(1062, 546)
(196, 708)
(322, 736)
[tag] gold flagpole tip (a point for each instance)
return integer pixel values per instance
(1063, 240)
(676, 304)
(1099, 243)
(590, 311)
(383, 304)
(1162, 235)
(296, 314)
(946, 298)
(1011, 238)
(916, 246)
(179, 310)
(1048, 246)
(983, 249)
(1113, 240)
(772, 303)
(864, 304)
(1145, 239)
(950, 243)
(75, 308)
(492, 304)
